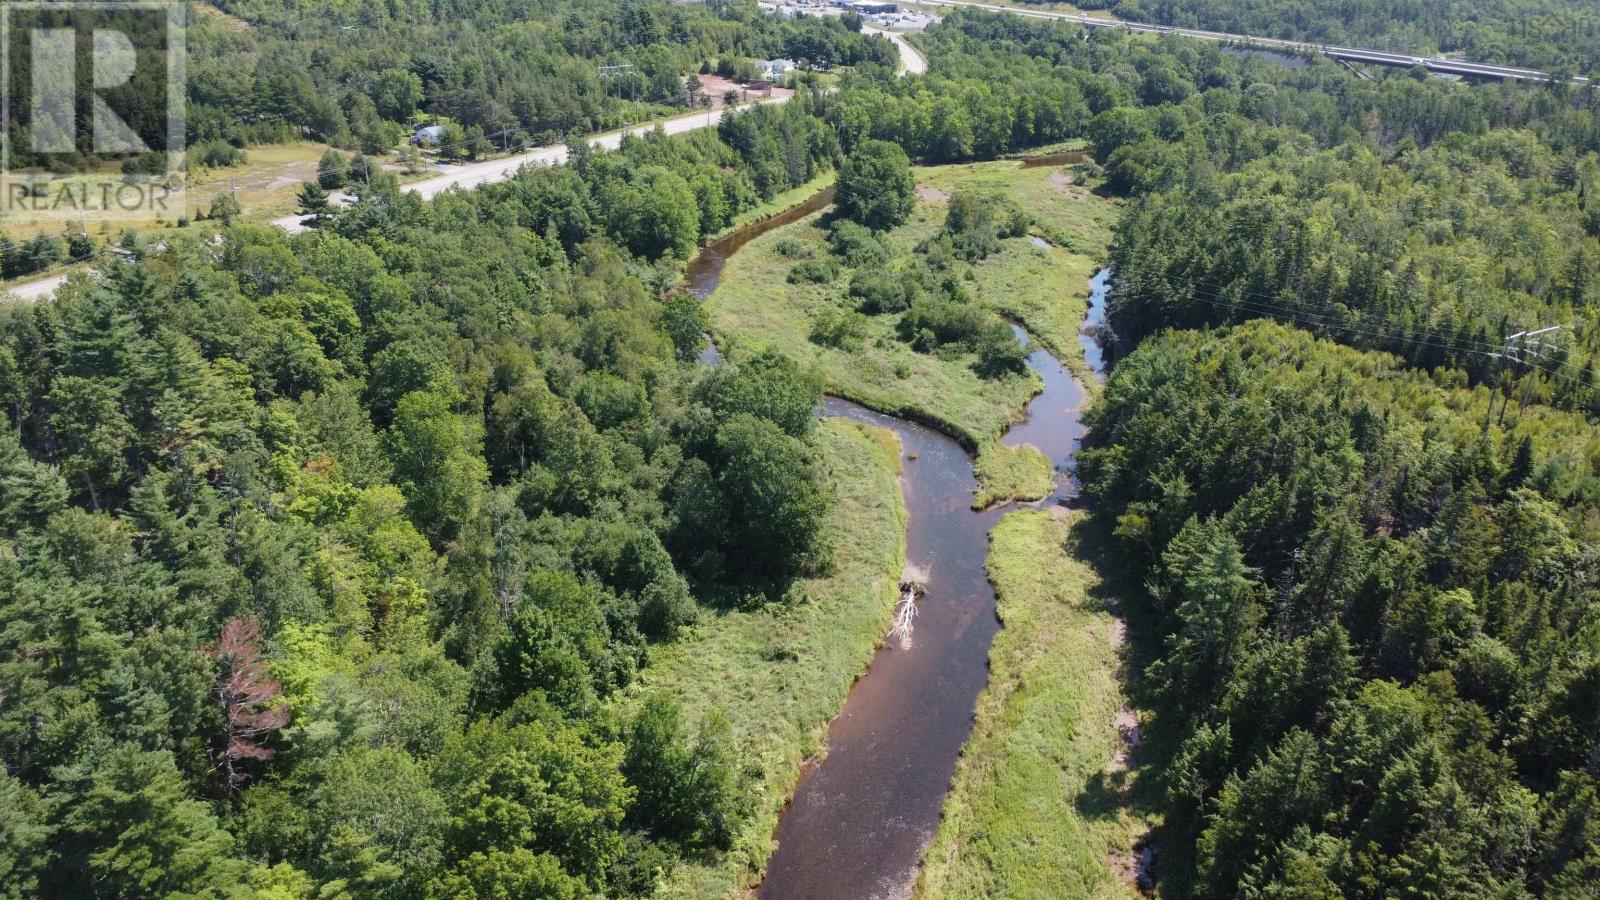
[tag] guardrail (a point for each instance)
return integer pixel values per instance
(1441, 64)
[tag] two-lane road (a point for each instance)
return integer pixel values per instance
(912, 62)
(35, 290)
(464, 176)
(474, 174)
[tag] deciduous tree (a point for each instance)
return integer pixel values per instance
(876, 187)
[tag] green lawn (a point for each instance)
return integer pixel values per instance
(781, 674)
(1036, 808)
(1012, 473)
(1046, 289)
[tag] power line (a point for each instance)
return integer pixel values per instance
(1503, 353)
(1369, 317)
(1292, 315)
(68, 261)
(1272, 309)
(1364, 325)
(1514, 347)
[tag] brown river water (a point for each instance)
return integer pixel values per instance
(1062, 158)
(862, 817)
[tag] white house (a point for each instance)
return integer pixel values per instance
(775, 68)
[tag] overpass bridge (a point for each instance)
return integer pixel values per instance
(1443, 65)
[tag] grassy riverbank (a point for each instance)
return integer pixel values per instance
(1038, 807)
(785, 200)
(1046, 289)
(756, 306)
(1012, 473)
(780, 674)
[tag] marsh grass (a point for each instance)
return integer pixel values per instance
(1046, 289)
(1022, 472)
(1036, 809)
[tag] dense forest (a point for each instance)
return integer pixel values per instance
(497, 75)
(1379, 661)
(1376, 643)
(327, 556)
(529, 72)
(326, 552)
(1442, 255)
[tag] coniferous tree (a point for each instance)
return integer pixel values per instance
(251, 701)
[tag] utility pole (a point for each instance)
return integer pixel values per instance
(616, 71)
(1524, 354)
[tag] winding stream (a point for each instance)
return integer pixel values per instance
(705, 270)
(862, 817)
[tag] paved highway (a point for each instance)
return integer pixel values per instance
(912, 62)
(1440, 64)
(470, 175)
(473, 174)
(34, 290)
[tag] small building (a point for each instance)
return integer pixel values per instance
(428, 135)
(761, 87)
(872, 7)
(772, 69)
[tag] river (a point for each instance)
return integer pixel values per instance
(861, 818)
(705, 270)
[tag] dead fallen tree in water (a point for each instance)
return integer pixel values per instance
(913, 584)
